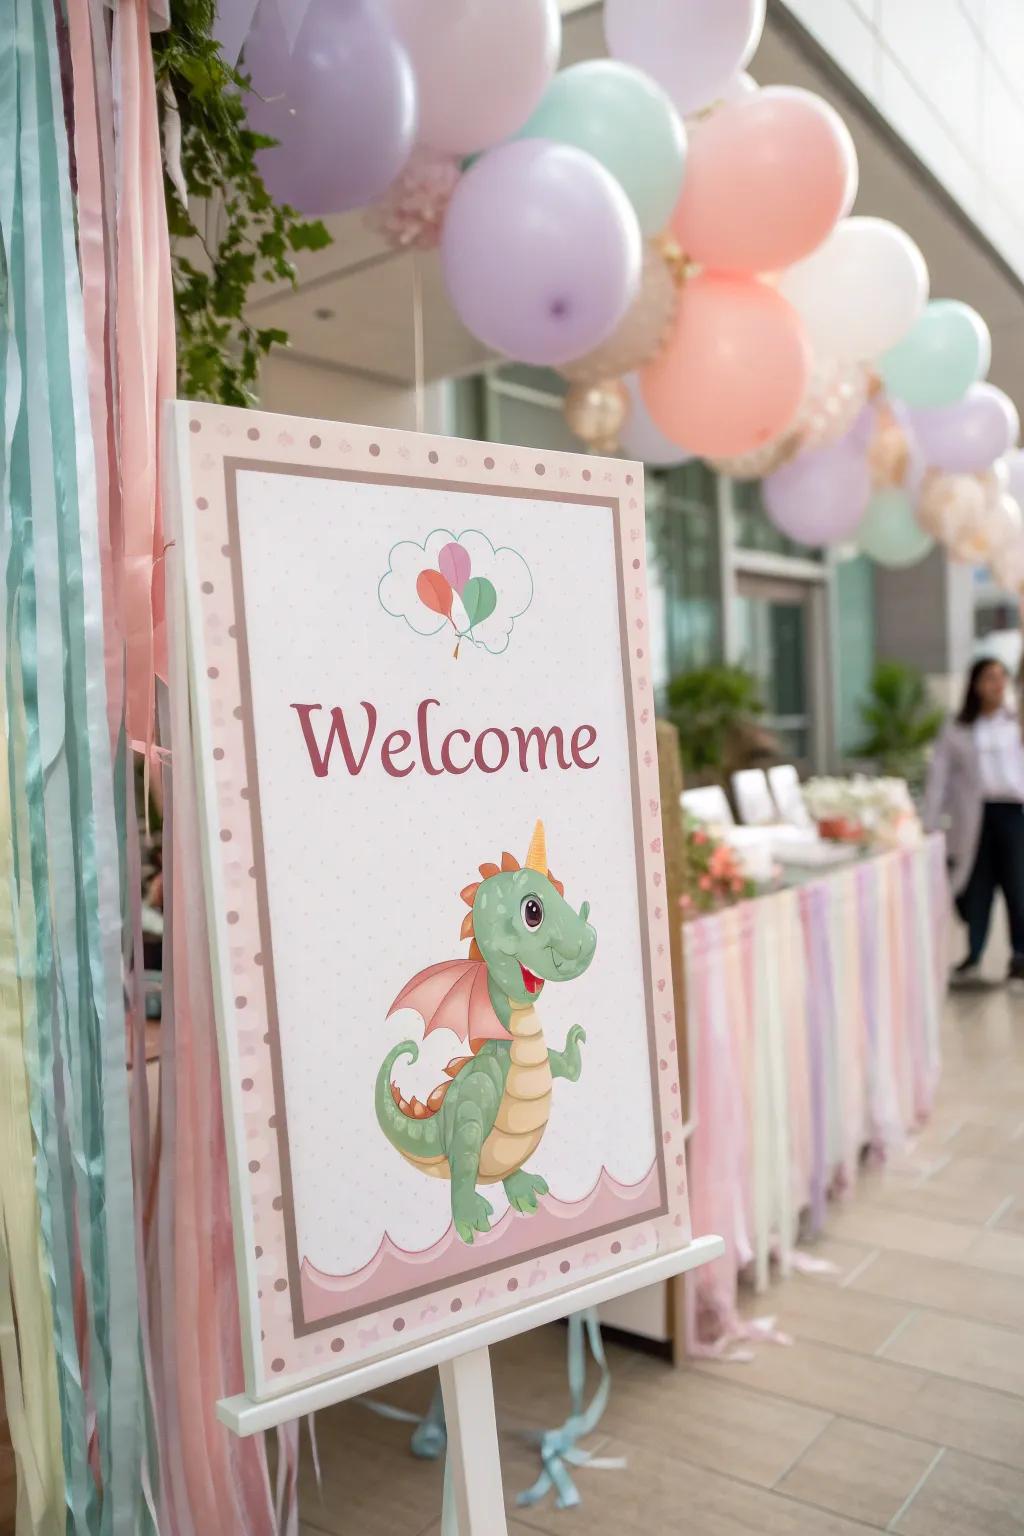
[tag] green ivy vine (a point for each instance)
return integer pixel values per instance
(219, 349)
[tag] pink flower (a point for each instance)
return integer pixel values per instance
(721, 862)
(705, 882)
(700, 838)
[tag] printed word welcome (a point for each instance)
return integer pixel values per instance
(401, 752)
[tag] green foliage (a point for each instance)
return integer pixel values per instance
(901, 719)
(708, 706)
(219, 350)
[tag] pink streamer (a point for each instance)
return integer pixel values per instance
(145, 355)
(227, 1479)
(718, 1146)
(92, 108)
(209, 1480)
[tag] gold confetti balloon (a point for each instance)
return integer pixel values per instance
(643, 331)
(597, 413)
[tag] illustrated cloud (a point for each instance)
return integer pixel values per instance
(504, 568)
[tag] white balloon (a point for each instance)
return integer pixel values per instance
(641, 439)
(740, 88)
(861, 291)
(693, 48)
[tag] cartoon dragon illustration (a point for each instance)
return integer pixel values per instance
(481, 1125)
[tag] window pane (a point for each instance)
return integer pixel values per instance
(468, 407)
(773, 646)
(683, 581)
(545, 379)
(536, 426)
(855, 624)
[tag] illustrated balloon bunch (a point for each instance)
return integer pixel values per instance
(452, 592)
(675, 240)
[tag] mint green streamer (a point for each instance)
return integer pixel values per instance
(74, 858)
(26, 787)
(95, 816)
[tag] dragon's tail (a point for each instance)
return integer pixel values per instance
(416, 1137)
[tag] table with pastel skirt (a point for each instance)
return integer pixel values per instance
(813, 1033)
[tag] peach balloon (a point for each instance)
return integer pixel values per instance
(766, 181)
(734, 370)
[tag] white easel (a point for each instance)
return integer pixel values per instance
(474, 1499)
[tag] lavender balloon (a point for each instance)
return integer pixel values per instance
(342, 105)
(819, 497)
(968, 437)
(541, 251)
(640, 438)
(917, 460)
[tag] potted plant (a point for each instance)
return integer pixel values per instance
(902, 721)
(716, 711)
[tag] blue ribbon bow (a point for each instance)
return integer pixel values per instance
(559, 1449)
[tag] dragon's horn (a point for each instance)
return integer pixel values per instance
(537, 858)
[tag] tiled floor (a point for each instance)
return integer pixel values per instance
(899, 1406)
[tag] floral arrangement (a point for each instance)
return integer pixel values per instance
(870, 811)
(712, 874)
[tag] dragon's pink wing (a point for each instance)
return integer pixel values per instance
(453, 995)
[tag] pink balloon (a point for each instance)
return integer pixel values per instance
(692, 48)
(766, 181)
(734, 371)
(454, 564)
(481, 66)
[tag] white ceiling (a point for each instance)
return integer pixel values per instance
(353, 308)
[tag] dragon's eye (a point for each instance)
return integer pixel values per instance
(532, 911)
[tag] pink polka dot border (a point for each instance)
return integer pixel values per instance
(283, 1356)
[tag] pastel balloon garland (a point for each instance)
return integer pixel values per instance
(677, 241)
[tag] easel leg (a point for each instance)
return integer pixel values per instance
(473, 1491)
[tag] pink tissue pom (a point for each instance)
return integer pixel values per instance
(412, 211)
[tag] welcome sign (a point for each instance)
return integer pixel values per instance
(425, 752)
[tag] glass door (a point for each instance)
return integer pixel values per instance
(778, 639)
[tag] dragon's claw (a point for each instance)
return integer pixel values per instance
(471, 1214)
(523, 1190)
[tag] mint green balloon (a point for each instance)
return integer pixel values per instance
(948, 350)
(479, 599)
(890, 533)
(627, 122)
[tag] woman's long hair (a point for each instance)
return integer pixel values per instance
(970, 709)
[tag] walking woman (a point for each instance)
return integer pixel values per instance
(976, 790)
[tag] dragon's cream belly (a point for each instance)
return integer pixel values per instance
(525, 1105)
(523, 1112)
